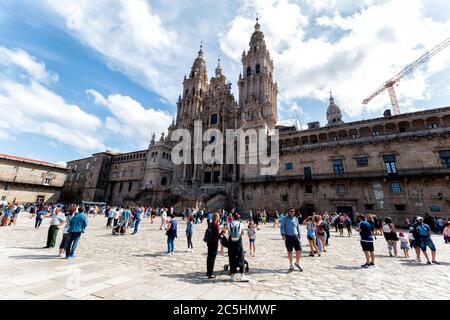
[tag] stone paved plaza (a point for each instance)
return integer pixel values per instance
(135, 267)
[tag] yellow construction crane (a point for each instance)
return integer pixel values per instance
(389, 85)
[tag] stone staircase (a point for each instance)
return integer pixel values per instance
(188, 192)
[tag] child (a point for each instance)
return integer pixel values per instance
(251, 237)
(446, 233)
(404, 244)
(413, 242)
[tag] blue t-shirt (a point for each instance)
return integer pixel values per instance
(41, 213)
(423, 230)
(365, 231)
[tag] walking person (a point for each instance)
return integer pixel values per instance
(276, 224)
(77, 226)
(366, 235)
(116, 217)
(320, 231)
(171, 235)
(126, 215)
(40, 215)
(404, 244)
(414, 240)
(311, 236)
(65, 238)
(390, 234)
(425, 240)
(163, 220)
(348, 225)
(290, 233)
(190, 232)
(110, 215)
(57, 221)
(137, 220)
(251, 232)
(213, 245)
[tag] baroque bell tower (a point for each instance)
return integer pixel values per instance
(257, 89)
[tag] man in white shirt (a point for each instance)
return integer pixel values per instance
(58, 220)
(163, 219)
(110, 217)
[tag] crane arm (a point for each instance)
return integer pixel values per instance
(408, 69)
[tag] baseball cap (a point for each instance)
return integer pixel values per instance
(419, 219)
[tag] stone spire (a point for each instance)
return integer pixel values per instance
(218, 69)
(334, 115)
(198, 69)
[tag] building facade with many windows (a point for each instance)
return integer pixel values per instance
(395, 166)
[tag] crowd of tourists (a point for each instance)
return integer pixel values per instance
(228, 230)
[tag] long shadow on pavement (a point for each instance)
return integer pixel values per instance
(37, 257)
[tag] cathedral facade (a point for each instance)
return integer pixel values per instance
(395, 166)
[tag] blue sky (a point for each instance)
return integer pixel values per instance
(78, 77)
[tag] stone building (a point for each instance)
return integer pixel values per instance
(29, 180)
(392, 165)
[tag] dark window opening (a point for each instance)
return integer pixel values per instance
(338, 166)
(308, 173)
(249, 72)
(130, 186)
(213, 119)
(284, 197)
(400, 207)
(396, 187)
(362, 162)
(368, 207)
(445, 158)
(308, 188)
(341, 188)
(289, 166)
(207, 177)
(258, 68)
(163, 181)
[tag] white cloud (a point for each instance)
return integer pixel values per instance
(29, 106)
(130, 119)
(352, 54)
(28, 63)
(130, 36)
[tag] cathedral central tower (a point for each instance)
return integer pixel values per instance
(257, 89)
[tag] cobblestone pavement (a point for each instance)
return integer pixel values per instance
(135, 267)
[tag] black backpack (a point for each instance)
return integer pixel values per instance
(208, 235)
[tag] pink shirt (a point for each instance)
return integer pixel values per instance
(447, 231)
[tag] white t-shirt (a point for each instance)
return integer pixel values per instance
(57, 219)
(116, 214)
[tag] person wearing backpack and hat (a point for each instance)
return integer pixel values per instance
(424, 232)
(235, 248)
(212, 237)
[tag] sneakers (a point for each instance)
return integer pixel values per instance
(434, 261)
(372, 264)
(291, 268)
(244, 279)
(365, 265)
(212, 277)
(428, 262)
(232, 279)
(311, 254)
(298, 267)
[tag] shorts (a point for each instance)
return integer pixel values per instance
(311, 237)
(367, 246)
(293, 243)
(251, 240)
(426, 242)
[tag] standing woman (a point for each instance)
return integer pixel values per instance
(341, 220)
(213, 245)
(189, 232)
(311, 235)
(171, 235)
(320, 230)
(390, 234)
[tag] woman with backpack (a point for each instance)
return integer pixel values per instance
(390, 234)
(212, 237)
(235, 248)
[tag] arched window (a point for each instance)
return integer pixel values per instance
(213, 119)
(249, 72)
(163, 181)
(258, 68)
